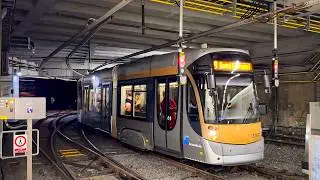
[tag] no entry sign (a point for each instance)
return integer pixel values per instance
(20, 143)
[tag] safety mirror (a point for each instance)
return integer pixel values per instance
(211, 81)
(262, 109)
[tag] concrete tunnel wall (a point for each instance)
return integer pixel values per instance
(295, 93)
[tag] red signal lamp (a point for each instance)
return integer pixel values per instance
(182, 59)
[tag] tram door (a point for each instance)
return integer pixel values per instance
(106, 107)
(166, 121)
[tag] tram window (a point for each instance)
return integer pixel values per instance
(139, 101)
(85, 98)
(105, 101)
(126, 100)
(193, 114)
(209, 106)
(95, 100)
(173, 108)
(167, 105)
(161, 106)
(192, 104)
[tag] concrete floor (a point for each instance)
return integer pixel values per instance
(14, 169)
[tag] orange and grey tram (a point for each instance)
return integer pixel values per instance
(212, 119)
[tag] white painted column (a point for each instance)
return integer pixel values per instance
(29, 149)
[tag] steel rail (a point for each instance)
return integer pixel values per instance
(301, 6)
(203, 173)
(269, 173)
(114, 165)
(168, 160)
(53, 152)
(61, 170)
(43, 152)
(108, 160)
(87, 29)
(188, 167)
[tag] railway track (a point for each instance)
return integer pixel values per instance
(74, 157)
(285, 140)
(243, 171)
(77, 154)
(203, 171)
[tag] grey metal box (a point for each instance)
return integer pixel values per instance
(30, 108)
(22, 108)
(315, 115)
(7, 108)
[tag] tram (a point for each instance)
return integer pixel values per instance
(213, 118)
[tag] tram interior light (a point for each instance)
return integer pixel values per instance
(232, 66)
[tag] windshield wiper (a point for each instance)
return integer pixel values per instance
(225, 91)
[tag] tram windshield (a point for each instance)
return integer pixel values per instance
(232, 102)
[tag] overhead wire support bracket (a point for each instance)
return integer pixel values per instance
(308, 22)
(87, 29)
(84, 40)
(253, 19)
(143, 24)
(234, 7)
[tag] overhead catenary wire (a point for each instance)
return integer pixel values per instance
(84, 41)
(301, 6)
(87, 29)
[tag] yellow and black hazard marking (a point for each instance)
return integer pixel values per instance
(70, 153)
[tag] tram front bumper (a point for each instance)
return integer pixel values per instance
(232, 154)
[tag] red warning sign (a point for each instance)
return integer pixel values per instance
(20, 143)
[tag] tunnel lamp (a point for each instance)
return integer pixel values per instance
(95, 81)
(17, 72)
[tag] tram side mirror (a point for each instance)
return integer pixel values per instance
(211, 81)
(267, 87)
(262, 109)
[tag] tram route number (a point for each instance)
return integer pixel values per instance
(20, 143)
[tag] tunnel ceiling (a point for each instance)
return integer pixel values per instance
(48, 23)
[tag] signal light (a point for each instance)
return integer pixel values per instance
(275, 71)
(182, 59)
(181, 62)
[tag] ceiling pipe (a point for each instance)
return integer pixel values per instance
(87, 29)
(85, 40)
(216, 30)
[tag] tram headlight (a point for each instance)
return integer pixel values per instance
(212, 133)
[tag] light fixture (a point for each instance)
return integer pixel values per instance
(212, 133)
(95, 81)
